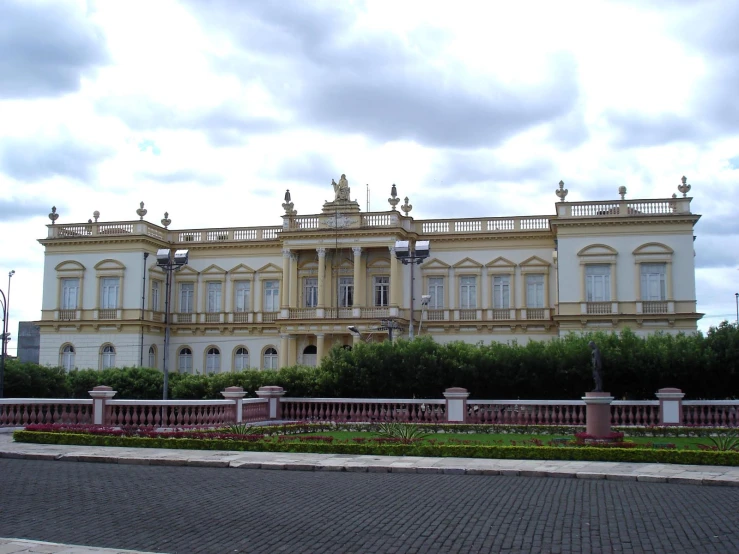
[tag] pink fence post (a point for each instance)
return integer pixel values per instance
(273, 395)
(237, 394)
(670, 406)
(100, 395)
(456, 404)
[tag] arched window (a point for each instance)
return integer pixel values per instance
(68, 357)
(153, 356)
(270, 358)
(184, 362)
(241, 359)
(108, 356)
(310, 353)
(213, 360)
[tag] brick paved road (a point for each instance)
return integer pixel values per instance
(190, 509)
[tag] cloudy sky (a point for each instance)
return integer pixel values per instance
(210, 109)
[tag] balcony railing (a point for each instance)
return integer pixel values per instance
(269, 317)
(536, 313)
(595, 308)
(302, 313)
(108, 314)
(654, 307)
(483, 225)
(623, 208)
(467, 315)
(183, 317)
(67, 315)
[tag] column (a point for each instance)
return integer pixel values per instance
(293, 280)
(273, 395)
(292, 350)
(670, 406)
(100, 395)
(321, 277)
(282, 354)
(456, 404)
(359, 294)
(395, 284)
(285, 278)
(320, 346)
(227, 296)
(236, 394)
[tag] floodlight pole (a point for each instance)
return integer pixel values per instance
(4, 340)
(412, 257)
(736, 295)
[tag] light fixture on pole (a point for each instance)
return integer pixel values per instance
(4, 338)
(736, 295)
(169, 264)
(389, 325)
(6, 322)
(425, 299)
(412, 255)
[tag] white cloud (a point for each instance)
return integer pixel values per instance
(238, 100)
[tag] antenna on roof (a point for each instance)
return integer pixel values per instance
(368, 204)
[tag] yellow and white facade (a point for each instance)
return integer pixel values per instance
(268, 297)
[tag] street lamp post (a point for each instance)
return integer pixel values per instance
(169, 264)
(411, 255)
(6, 320)
(736, 295)
(4, 338)
(389, 325)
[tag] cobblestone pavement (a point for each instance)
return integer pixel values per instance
(217, 510)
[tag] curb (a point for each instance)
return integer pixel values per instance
(376, 468)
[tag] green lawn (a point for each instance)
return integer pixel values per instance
(509, 439)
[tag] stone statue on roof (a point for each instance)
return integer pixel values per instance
(341, 189)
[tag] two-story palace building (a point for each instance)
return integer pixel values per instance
(267, 297)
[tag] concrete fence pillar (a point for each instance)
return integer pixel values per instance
(273, 395)
(670, 406)
(100, 395)
(456, 404)
(237, 394)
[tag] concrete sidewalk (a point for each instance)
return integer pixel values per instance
(617, 471)
(21, 546)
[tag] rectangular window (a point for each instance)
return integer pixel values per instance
(310, 292)
(70, 293)
(502, 292)
(155, 297)
(597, 283)
(382, 290)
(271, 296)
(346, 292)
(109, 293)
(535, 291)
(468, 292)
(214, 297)
(653, 282)
(187, 295)
(436, 292)
(241, 298)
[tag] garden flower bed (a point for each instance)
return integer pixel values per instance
(321, 438)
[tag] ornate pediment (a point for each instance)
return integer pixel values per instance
(501, 262)
(241, 268)
(213, 269)
(435, 263)
(467, 263)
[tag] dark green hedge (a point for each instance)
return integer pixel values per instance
(704, 366)
(445, 450)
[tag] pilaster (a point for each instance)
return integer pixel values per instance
(293, 280)
(282, 354)
(358, 285)
(320, 347)
(321, 278)
(395, 284)
(285, 278)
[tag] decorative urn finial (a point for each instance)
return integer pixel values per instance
(53, 216)
(393, 200)
(141, 212)
(685, 187)
(96, 215)
(288, 205)
(406, 207)
(622, 192)
(166, 221)
(561, 192)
